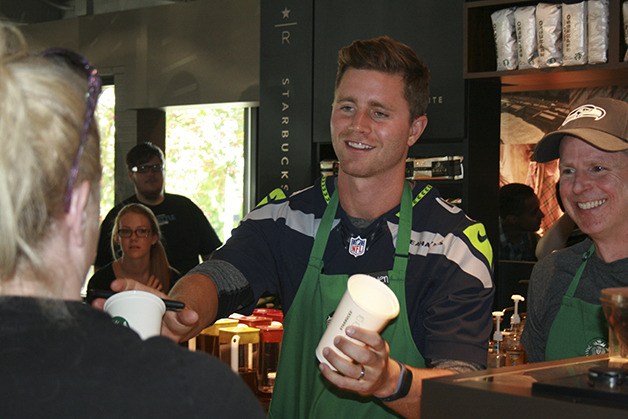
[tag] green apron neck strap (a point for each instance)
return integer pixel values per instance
(576, 279)
(403, 232)
(324, 229)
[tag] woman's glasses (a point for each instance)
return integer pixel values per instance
(141, 232)
(94, 86)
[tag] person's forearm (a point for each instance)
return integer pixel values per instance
(556, 237)
(199, 293)
(410, 406)
(234, 291)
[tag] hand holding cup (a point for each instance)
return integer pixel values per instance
(367, 303)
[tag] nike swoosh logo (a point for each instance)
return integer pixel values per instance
(478, 238)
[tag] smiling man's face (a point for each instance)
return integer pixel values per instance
(593, 188)
(370, 123)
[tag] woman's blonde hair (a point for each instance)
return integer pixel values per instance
(42, 107)
(159, 265)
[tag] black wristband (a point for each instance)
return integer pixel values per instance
(403, 385)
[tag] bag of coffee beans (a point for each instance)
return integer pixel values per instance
(549, 34)
(525, 24)
(505, 38)
(575, 33)
(598, 31)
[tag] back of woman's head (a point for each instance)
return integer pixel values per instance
(42, 107)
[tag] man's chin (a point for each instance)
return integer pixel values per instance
(152, 196)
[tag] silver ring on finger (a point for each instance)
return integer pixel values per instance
(362, 372)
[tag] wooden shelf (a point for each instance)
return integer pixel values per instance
(480, 57)
(559, 77)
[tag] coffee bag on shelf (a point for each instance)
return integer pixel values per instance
(598, 31)
(525, 24)
(505, 38)
(549, 34)
(575, 33)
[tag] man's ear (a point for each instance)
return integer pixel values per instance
(77, 216)
(416, 129)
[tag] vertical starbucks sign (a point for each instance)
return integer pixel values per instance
(285, 124)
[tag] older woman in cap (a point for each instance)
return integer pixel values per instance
(60, 357)
(565, 318)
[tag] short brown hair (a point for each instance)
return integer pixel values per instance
(393, 57)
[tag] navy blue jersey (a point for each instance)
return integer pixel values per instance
(449, 287)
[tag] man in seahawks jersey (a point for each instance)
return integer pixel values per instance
(369, 219)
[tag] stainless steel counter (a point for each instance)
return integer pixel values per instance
(525, 391)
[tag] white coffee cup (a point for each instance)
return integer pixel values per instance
(367, 303)
(139, 310)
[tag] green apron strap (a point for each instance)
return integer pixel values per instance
(322, 235)
(576, 279)
(403, 233)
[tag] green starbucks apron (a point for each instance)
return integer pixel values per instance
(301, 391)
(579, 328)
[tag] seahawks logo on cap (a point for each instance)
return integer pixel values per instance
(585, 111)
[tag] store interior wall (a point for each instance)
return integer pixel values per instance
(182, 53)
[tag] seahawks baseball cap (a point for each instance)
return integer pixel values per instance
(601, 122)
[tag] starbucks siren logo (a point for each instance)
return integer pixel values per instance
(596, 346)
(120, 320)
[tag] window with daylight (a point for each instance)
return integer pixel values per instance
(207, 160)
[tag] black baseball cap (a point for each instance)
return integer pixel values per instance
(601, 122)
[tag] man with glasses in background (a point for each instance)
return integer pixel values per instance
(187, 234)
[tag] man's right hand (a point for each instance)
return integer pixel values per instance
(176, 325)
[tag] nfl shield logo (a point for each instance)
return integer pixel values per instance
(357, 246)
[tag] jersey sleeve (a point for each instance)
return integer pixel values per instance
(452, 313)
